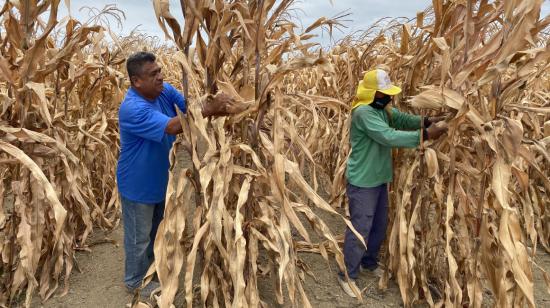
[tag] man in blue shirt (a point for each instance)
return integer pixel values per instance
(148, 124)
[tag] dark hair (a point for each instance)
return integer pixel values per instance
(135, 62)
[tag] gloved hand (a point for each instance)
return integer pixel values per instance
(436, 130)
(437, 118)
(431, 120)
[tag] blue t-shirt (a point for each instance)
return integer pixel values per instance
(142, 171)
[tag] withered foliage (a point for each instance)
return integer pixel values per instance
(60, 86)
(468, 211)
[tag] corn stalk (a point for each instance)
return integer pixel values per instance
(253, 191)
(58, 145)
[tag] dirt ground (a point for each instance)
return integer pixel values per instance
(100, 283)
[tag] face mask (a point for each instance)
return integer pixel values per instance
(380, 103)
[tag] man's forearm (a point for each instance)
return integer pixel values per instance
(174, 126)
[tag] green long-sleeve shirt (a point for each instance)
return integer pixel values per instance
(372, 137)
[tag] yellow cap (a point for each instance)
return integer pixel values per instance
(375, 80)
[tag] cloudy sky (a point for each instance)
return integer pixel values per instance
(363, 12)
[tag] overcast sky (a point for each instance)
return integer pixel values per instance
(363, 12)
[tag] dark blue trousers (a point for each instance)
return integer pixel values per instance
(368, 209)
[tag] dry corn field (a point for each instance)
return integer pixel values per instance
(468, 212)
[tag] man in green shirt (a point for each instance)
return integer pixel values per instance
(376, 128)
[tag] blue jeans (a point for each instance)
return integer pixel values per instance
(368, 209)
(141, 222)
